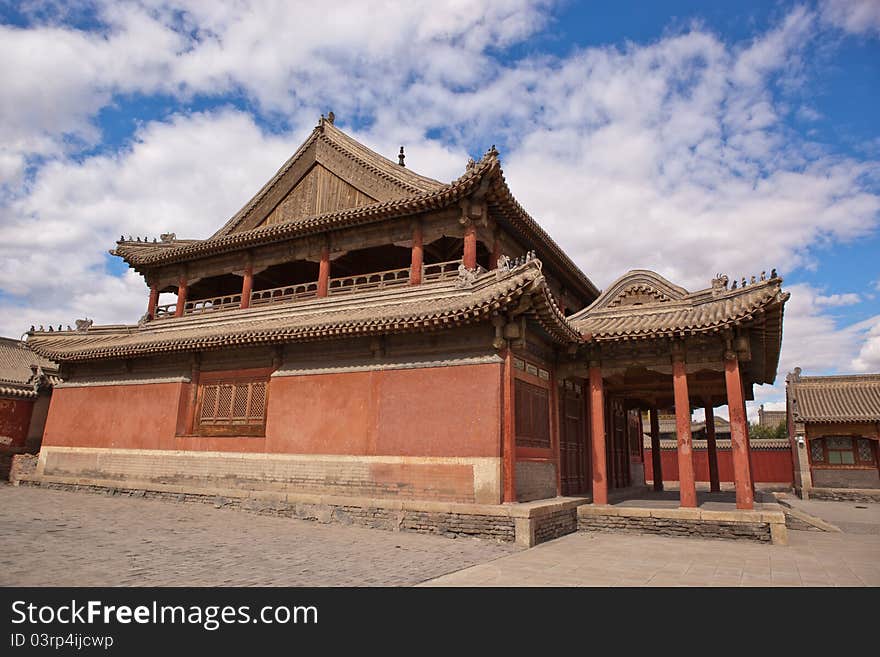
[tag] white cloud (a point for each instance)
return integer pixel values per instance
(868, 358)
(834, 300)
(186, 175)
(287, 60)
(855, 16)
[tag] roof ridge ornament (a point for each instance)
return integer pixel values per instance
(401, 156)
(719, 284)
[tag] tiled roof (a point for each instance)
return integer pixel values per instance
(425, 307)
(848, 398)
(643, 304)
(17, 377)
(416, 194)
(147, 253)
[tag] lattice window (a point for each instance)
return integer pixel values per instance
(232, 407)
(817, 451)
(840, 451)
(866, 454)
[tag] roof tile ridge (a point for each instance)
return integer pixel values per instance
(343, 149)
(248, 207)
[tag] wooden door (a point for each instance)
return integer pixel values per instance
(573, 445)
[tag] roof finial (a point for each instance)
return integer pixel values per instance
(401, 157)
(331, 117)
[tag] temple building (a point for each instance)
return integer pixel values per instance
(359, 331)
(834, 429)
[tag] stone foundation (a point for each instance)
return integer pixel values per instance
(845, 494)
(22, 465)
(760, 526)
(555, 524)
(524, 524)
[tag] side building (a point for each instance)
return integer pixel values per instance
(26, 383)
(834, 430)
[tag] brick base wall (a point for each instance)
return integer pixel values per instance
(554, 525)
(843, 495)
(449, 524)
(464, 480)
(755, 531)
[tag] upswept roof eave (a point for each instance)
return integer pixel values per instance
(563, 262)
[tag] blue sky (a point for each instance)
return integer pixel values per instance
(688, 137)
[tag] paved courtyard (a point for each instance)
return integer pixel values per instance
(78, 539)
(60, 538)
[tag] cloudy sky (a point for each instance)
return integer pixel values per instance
(677, 136)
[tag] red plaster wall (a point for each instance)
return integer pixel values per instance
(441, 411)
(444, 411)
(131, 417)
(15, 418)
(770, 465)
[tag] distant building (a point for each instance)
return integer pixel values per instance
(26, 381)
(834, 428)
(770, 460)
(770, 418)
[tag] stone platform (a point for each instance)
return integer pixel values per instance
(644, 511)
(525, 524)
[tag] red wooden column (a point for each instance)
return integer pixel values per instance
(417, 259)
(555, 419)
(496, 250)
(748, 437)
(247, 286)
(739, 432)
(656, 457)
(687, 484)
(470, 246)
(597, 433)
(712, 449)
(324, 272)
(154, 301)
(181, 297)
(507, 430)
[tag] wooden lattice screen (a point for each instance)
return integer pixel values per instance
(235, 407)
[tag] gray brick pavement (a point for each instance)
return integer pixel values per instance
(63, 538)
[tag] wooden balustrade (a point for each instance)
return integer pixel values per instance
(297, 292)
(437, 272)
(165, 310)
(440, 271)
(372, 281)
(199, 306)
